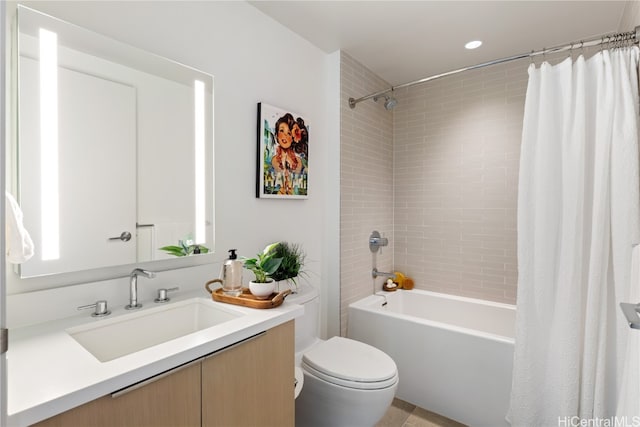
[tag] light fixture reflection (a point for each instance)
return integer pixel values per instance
(49, 204)
(200, 186)
(473, 44)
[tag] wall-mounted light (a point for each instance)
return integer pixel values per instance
(473, 44)
(200, 184)
(49, 203)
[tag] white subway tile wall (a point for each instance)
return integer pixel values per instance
(438, 176)
(456, 155)
(366, 183)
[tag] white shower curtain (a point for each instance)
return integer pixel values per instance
(578, 217)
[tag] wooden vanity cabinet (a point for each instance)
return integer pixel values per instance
(171, 399)
(250, 383)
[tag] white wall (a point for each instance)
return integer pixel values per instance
(253, 59)
(630, 16)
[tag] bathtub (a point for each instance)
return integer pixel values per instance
(454, 354)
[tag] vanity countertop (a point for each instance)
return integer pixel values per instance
(49, 372)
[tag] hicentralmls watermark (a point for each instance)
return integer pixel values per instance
(575, 421)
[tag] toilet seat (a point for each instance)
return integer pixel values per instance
(351, 364)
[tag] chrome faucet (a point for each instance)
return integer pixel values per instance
(133, 287)
(375, 274)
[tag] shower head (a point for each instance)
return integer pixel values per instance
(389, 101)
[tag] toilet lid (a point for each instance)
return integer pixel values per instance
(351, 363)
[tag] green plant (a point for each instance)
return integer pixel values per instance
(265, 264)
(292, 262)
(185, 249)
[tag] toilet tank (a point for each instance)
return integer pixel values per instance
(307, 325)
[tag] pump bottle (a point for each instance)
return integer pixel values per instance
(231, 275)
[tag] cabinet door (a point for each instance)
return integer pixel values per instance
(171, 399)
(251, 383)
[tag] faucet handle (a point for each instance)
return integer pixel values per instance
(162, 294)
(100, 308)
(377, 241)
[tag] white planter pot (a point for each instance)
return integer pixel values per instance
(262, 290)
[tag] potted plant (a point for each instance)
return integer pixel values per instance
(263, 266)
(185, 248)
(290, 268)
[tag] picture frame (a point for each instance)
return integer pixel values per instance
(282, 169)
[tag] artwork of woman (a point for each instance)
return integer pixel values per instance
(285, 148)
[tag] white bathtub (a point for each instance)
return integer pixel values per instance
(454, 354)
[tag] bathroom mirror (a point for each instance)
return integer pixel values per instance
(114, 151)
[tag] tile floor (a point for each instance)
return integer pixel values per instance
(404, 414)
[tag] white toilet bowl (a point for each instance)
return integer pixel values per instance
(347, 383)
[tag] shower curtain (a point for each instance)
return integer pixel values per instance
(578, 217)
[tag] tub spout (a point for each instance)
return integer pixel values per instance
(375, 274)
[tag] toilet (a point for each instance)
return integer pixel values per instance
(345, 382)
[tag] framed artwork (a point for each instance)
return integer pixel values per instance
(283, 154)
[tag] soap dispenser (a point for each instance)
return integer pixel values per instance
(231, 275)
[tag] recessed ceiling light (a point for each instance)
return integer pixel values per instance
(473, 44)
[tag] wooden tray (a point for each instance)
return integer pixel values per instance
(247, 299)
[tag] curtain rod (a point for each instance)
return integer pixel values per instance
(599, 40)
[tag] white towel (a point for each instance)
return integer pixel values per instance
(19, 245)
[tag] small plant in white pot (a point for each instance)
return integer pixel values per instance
(263, 266)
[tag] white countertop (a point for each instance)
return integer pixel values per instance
(49, 372)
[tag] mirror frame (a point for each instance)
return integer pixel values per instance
(116, 271)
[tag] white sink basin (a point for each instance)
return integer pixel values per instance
(109, 339)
